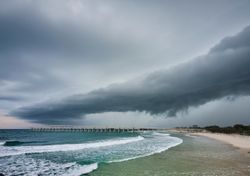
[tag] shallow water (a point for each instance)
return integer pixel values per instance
(196, 156)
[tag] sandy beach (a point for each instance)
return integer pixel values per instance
(239, 141)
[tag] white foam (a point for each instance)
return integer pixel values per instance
(81, 170)
(17, 150)
(22, 165)
(176, 141)
(2, 143)
(149, 144)
(160, 134)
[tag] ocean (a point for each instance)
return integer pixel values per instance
(26, 152)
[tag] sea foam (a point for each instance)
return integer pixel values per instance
(17, 150)
(29, 166)
(82, 158)
(175, 141)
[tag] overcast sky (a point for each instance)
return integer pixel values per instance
(124, 63)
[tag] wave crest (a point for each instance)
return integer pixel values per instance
(17, 150)
(43, 167)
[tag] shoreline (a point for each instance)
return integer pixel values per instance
(195, 156)
(240, 142)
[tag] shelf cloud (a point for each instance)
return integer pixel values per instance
(222, 72)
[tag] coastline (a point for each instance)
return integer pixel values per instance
(241, 142)
(197, 155)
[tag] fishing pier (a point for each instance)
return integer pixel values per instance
(93, 130)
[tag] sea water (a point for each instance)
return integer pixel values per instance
(26, 152)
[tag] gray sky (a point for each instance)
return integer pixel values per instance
(124, 63)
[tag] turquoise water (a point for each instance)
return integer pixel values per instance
(25, 152)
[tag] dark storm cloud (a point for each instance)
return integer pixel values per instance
(223, 72)
(10, 98)
(34, 46)
(28, 30)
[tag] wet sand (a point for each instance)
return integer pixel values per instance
(239, 141)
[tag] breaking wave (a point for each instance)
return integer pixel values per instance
(17, 150)
(43, 167)
(78, 159)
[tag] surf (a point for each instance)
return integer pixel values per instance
(17, 150)
(80, 158)
(43, 167)
(176, 142)
(18, 143)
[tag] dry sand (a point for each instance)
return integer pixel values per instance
(239, 141)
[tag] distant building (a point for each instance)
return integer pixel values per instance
(195, 126)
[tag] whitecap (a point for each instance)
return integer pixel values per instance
(23, 165)
(17, 150)
(160, 134)
(175, 141)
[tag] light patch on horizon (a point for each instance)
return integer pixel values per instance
(10, 122)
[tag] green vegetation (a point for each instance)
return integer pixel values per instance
(238, 129)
